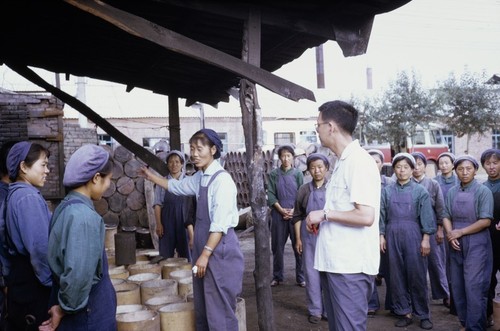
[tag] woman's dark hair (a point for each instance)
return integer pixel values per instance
(108, 167)
(35, 152)
(202, 138)
(4, 151)
(487, 154)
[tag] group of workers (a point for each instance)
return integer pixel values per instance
(54, 264)
(348, 225)
(443, 231)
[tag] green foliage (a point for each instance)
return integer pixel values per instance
(465, 106)
(469, 105)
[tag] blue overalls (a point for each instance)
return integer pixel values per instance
(286, 188)
(172, 219)
(495, 244)
(27, 297)
(408, 268)
(100, 313)
(215, 294)
(471, 266)
(315, 307)
(437, 257)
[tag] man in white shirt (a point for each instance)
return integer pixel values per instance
(347, 250)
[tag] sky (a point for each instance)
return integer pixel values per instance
(430, 37)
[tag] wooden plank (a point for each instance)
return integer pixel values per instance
(47, 112)
(178, 43)
(138, 150)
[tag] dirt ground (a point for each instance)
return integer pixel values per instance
(290, 311)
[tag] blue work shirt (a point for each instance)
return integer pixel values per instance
(272, 191)
(493, 185)
(483, 200)
(76, 245)
(27, 219)
(421, 202)
(222, 204)
(4, 189)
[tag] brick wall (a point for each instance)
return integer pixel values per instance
(75, 137)
(13, 117)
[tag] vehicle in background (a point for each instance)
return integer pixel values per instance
(300, 132)
(428, 141)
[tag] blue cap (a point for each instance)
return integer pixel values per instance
(175, 152)
(17, 154)
(317, 156)
(463, 158)
(377, 152)
(448, 154)
(419, 155)
(400, 156)
(214, 138)
(85, 162)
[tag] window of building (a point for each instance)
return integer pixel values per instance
(281, 138)
(447, 138)
(495, 137)
(308, 137)
(105, 139)
(223, 138)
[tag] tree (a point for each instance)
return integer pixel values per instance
(367, 130)
(469, 105)
(402, 107)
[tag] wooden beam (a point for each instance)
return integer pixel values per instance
(178, 43)
(270, 17)
(125, 141)
(353, 40)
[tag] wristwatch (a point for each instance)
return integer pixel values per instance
(325, 214)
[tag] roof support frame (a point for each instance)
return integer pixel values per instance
(175, 42)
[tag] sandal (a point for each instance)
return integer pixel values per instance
(314, 319)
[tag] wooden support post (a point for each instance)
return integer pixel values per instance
(252, 126)
(174, 127)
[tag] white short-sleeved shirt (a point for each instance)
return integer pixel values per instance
(347, 249)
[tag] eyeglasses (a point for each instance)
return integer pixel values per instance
(317, 125)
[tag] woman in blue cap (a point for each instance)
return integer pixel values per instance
(490, 160)
(217, 257)
(467, 216)
(446, 177)
(284, 182)
(437, 258)
(176, 213)
(311, 196)
(406, 224)
(27, 218)
(83, 297)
